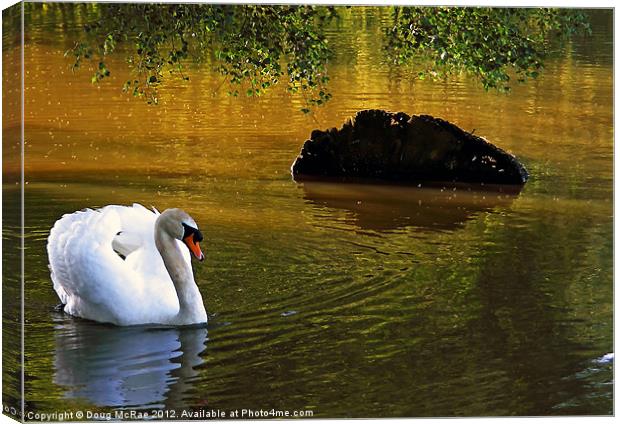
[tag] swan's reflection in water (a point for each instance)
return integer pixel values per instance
(389, 207)
(133, 367)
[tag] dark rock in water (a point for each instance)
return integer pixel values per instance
(380, 145)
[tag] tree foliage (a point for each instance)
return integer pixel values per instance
(257, 46)
(485, 42)
(254, 47)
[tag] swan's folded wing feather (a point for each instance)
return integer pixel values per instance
(56, 248)
(136, 228)
(64, 236)
(92, 266)
(124, 243)
(85, 270)
(94, 281)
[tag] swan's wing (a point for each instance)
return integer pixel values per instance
(82, 262)
(56, 248)
(137, 232)
(91, 278)
(136, 228)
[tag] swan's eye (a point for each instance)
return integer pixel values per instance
(188, 231)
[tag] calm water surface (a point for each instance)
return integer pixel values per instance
(347, 300)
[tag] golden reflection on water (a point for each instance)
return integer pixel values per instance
(559, 125)
(73, 125)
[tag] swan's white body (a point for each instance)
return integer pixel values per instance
(154, 284)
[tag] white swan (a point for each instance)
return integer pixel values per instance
(127, 265)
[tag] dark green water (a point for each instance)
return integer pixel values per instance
(348, 301)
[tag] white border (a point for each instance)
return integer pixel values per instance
(515, 3)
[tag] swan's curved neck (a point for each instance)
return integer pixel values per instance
(191, 306)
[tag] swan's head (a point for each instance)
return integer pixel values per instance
(177, 223)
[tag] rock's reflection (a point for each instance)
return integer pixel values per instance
(388, 207)
(126, 366)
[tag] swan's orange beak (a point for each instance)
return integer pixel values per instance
(194, 247)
